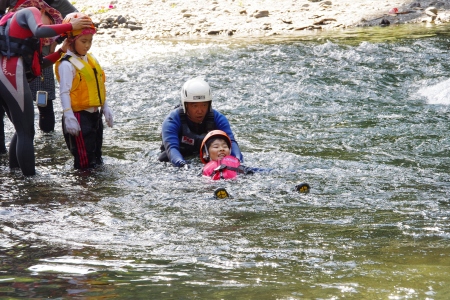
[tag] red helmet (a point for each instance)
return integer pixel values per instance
(204, 155)
(74, 33)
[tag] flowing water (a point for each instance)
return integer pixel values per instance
(360, 115)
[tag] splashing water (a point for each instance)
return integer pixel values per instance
(356, 118)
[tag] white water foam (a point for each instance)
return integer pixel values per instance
(438, 93)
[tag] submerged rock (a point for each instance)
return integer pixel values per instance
(385, 22)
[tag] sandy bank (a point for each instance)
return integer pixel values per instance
(155, 19)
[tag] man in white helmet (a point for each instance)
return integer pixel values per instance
(185, 127)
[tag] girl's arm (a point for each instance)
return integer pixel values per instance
(66, 75)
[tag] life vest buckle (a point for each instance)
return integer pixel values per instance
(220, 168)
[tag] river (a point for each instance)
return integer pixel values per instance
(361, 115)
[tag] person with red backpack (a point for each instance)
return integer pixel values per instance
(45, 82)
(21, 31)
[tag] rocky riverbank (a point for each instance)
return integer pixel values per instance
(156, 19)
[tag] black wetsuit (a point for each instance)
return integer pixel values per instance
(15, 95)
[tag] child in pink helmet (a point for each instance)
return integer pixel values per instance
(215, 152)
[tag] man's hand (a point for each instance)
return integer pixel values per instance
(183, 165)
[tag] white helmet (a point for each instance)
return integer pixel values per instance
(195, 90)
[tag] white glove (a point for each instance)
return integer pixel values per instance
(108, 115)
(71, 123)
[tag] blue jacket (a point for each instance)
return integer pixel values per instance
(171, 136)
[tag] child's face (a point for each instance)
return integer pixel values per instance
(83, 44)
(218, 149)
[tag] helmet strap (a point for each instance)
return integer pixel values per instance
(206, 154)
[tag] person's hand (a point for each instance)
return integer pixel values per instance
(183, 165)
(71, 123)
(108, 116)
(80, 23)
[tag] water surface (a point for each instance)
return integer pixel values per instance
(361, 115)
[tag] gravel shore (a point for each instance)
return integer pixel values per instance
(159, 19)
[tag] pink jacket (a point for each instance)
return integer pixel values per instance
(226, 168)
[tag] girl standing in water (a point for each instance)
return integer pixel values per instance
(83, 97)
